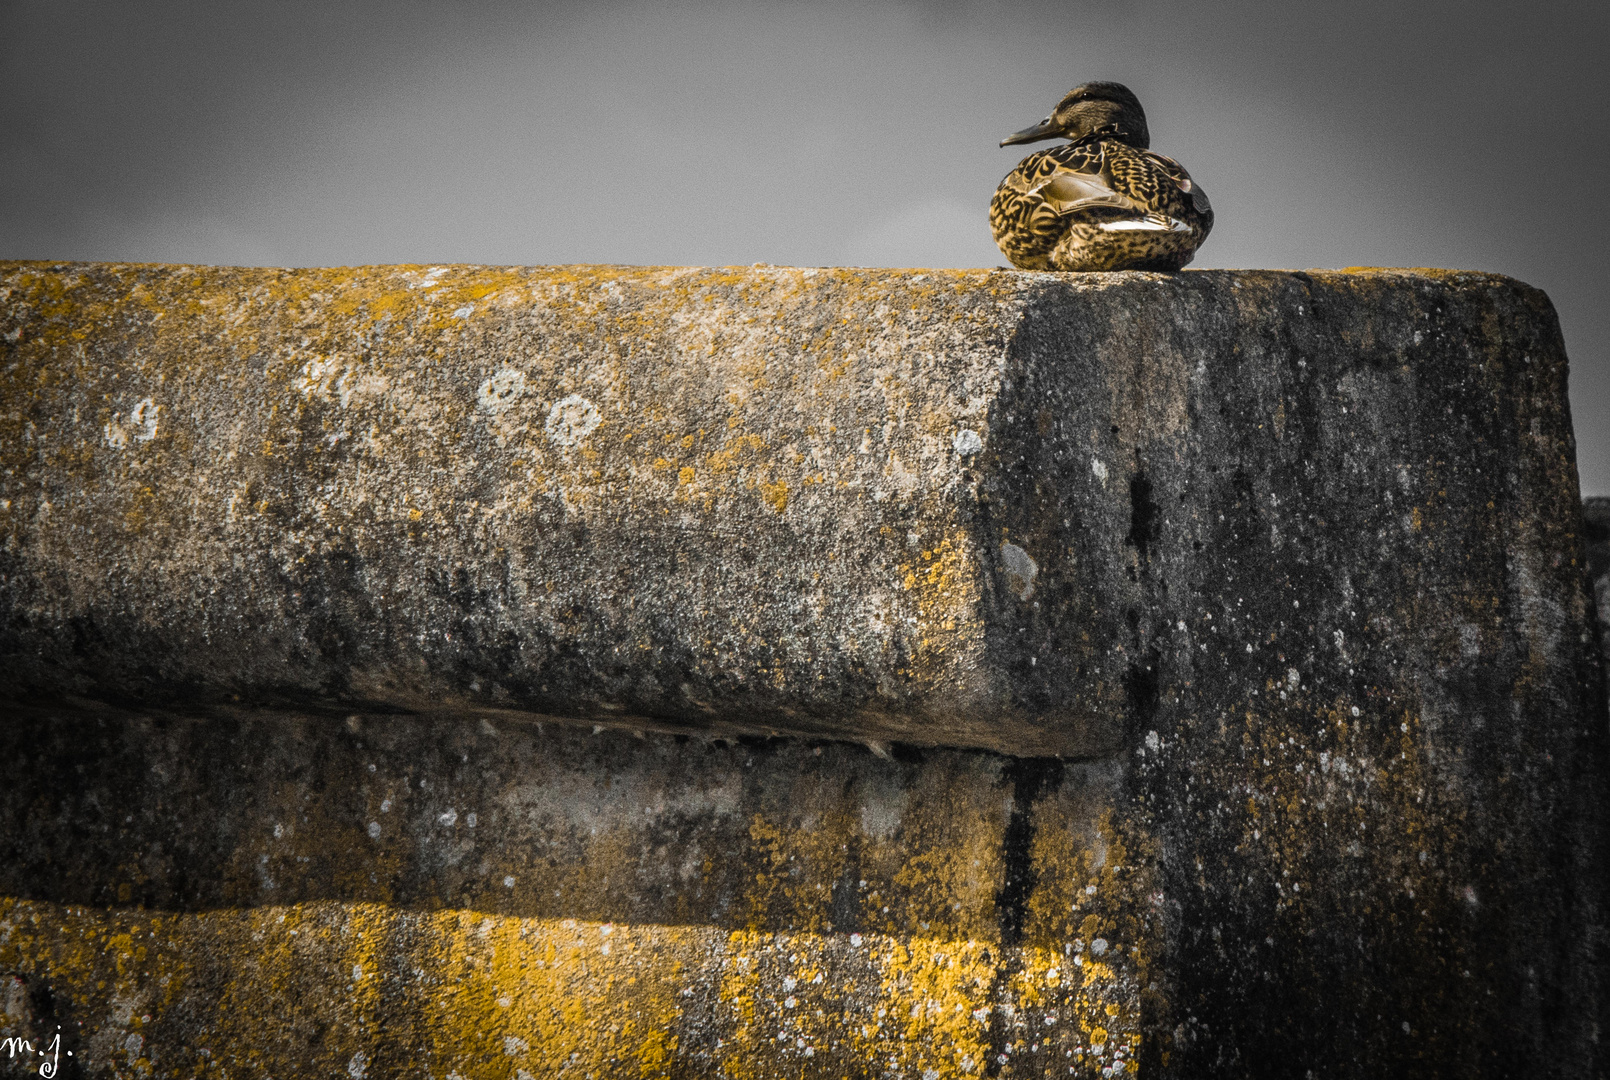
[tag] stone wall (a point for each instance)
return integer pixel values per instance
(683, 672)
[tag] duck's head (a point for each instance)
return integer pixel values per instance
(1087, 109)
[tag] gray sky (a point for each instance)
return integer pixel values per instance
(1463, 135)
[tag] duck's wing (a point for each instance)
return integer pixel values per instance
(1188, 187)
(1030, 210)
(1069, 192)
(1074, 177)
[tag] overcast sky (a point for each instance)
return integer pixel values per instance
(1460, 135)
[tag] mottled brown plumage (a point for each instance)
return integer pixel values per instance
(1103, 201)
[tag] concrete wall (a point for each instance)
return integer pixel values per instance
(622, 672)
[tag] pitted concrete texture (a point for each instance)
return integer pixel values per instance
(1596, 521)
(1264, 591)
(273, 895)
(937, 507)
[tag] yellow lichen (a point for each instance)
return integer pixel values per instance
(775, 495)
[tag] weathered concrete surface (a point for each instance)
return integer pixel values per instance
(931, 507)
(430, 897)
(1596, 522)
(749, 499)
(1288, 568)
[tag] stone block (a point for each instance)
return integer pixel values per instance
(1237, 620)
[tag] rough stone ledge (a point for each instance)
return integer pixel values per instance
(946, 508)
(426, 897)
(1294, 561)
(259, 892)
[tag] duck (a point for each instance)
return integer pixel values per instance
(1101, 201)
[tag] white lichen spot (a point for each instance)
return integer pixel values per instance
(855, 941)
(1099, 469)
(571, 420)
(513, 1044)
(1021, 570)
(314, 375)
(358, 1065)
(501, 390)
(449, 817)
(141, 423)
(967, 441)
(508, 881)
(464, 312)
(143, 420)
(352, 386)
(374, 830)
(1153, 741)
(1098, 946)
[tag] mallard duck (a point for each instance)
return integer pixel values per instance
(1102, 201)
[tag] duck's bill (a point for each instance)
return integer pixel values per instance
(1045, 129)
